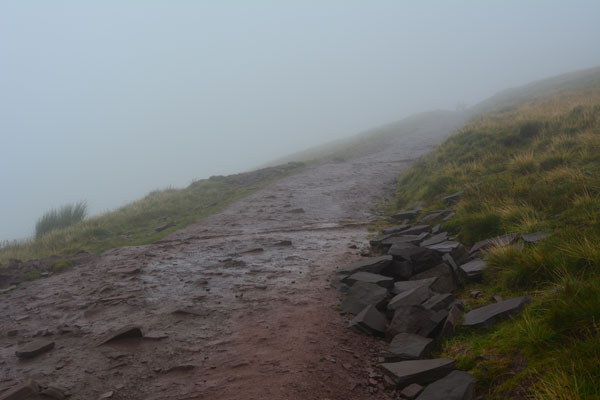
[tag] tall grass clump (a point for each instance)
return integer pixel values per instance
(59, 218)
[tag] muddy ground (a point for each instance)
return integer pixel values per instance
(236, 306)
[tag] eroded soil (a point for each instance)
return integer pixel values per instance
(236, 306)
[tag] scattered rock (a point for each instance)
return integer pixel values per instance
(445, 282)
(394, 229)
(28, 390)
(439, 238)
(283, 243)
(457, 385)
(413, 319)
(499, 241)
(417, 371)
(163, 227)
(421, 258)
(475, 294)
(417, 229)
(497, 298)
(369, 321)
(407, 346)
(361, 295)
(484, 317)
(34, 348)
(453, 198)
(374, 265)
(399, 270)
(408, 214)
(368, 277)
(412, 297)
(126, 332)
(402, 286)
(391, 240)
(535, 238)
(474, 269)
(412, 391)
(106, 395)
(439, 301)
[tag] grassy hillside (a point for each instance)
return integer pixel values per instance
(147, 220)
(527, 168)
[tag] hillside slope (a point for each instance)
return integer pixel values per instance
(533, 164)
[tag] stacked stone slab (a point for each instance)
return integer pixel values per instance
(407, 297)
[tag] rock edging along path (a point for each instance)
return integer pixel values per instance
(234, 306)
(407, 296)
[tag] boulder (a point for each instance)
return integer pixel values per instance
(535, 238)
(399, 270)
(417, 229)
(371, 264)
(394, 229)
(439, 301)
(474, 269)
(412, 297)
(457, 385)
(32, 349)
(407, 346)
(499, 241)
(452, 321)
(486, 316)
(440, 237)
(413, 319)
(397, 238)
(402, 286)
(404, 373)
(445, 282)
(369, 321)
(421, 258)
(368, 277)
(361, 295)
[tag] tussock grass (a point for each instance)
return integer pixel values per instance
(136, 223)
(533, 167)
(62, 217)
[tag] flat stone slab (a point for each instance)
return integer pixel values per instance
(413, 319)
(486, 316)
(369, 321)
(439, 301)
(417, 229)
(28, 390)
(399, 270)
(371, 264)
(421, 258)
(32, 349)
(412, 297)
(369, 277)
(403, 286)
(406, 214)
(127, 332)
(394, 229)
(453, 198)
(404, 373)
(445, 282)
(535, 238)
(474, 269)
(407, 346)
(439, 238)
(500, 241)
(397, 239)
(457, 385)
(411, 391)
(362, 294)
(447, 246)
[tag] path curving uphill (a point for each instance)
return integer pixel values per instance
(236, 306)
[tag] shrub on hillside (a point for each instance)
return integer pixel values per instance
(62, 217)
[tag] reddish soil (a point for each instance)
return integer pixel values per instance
(236, 306)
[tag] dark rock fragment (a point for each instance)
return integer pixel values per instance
(361, 295)
(474, 269)
(457, 385)
(127, 332)
(439, 301)
(440, 237)
(369, 321)
(407, 346)
(34, 348)
(413, 319)
(417, 229)
(484, 317)
(445, 282)
(452, 321)
(417, 371)
(372, 264)
(368, 277)
(535, 238)
(412, 297)
(402, 286)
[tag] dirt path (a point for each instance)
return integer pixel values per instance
(236, 306)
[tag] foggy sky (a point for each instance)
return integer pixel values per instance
(108, 100)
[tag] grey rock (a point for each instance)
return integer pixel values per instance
(484, 317)
(439, 301)
(361, 295)
(431, 216)
(452, 321)
(500, 241)
(407, 346)
(447, 246)
(436, 229)
(32, 349)
(411, 391)
(421, 258)
(417, 229)
(445, 282)
(440, 237)
(453, 198)
(474, 269)
(417, 371)
(127, 332)
(407, 214)
(394, 229)
(371, 264)
(368, 277)
(448, 259)
(449, 216)
(398, 238)
(399, 270)
(369, 321)
(402, 286)
(457, 385)
(535, 238)
(28, 390)
(412, 297)
(413, 319)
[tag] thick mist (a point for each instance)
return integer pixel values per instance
(106, 101)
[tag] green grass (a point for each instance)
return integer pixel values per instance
(532, 167)
(63, 217)
(136, 223)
